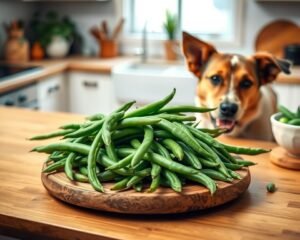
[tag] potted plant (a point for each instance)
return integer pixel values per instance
(54, 33)
(170, 26)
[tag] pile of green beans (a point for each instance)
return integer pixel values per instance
(288, 116)
(151, 146)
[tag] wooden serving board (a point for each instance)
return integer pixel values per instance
(163, 201)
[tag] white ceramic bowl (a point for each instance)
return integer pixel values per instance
(286, 135)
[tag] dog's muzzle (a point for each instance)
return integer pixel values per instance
(226, 117)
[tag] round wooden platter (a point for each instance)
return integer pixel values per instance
(162, 201)
(281, 158)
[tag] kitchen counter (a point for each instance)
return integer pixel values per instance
(55, 66)
(27, 210)
(95, 65)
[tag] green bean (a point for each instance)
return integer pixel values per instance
(243, 150)
(122, 163)
(135, 143)
(175, 182)
(138, 187)
(234, 174)
(172, 117)
(151, 108)
(185, 108)
(55, 166)
(162, 161)
(155, 170)
(271, 187)
(204, 137)
(97, 116)
(181, 134)
(121, 184)
(195, 124)
(135, 179)
(92, 156)
(211, 130)
(107, 162)
(174, 147)
(57, 156)
(295, 121)
(80, 177)
(233, 166)
(154, 184)
(286, 112)
(107, 126)
(123, 133)
(162, 134)
(208, 163)
(161, 150)
(224, 155)
(69, 162)
(83, 170)
(52, 135)
(64, 146)
(125, 107)
(190, 157)
(143, 149)
(107, 176)
(216, 175)
(216, 158)
(245, 163)
(204, 180)
(138, 121)
(85, 131)
(71, 126)
(69, 166)
(298, 112)
(111, 152)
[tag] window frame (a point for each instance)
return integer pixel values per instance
(131, 41)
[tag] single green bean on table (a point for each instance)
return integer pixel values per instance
(100, 149)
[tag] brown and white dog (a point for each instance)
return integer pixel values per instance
(236, 85)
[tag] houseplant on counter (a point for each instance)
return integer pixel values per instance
(54, 33)
(170, 26)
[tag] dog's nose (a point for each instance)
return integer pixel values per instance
(228, 109)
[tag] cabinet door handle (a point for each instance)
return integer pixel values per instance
(50, 90)
(56, 87)
(90, 84)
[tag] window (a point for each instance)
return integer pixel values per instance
(209, 19)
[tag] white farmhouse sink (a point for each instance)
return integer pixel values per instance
(147, 82)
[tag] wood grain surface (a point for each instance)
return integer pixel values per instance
(276, 35)
(162, 201)
(280, 157)
(28, 211)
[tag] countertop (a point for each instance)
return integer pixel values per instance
(96, 65)
(27, 210)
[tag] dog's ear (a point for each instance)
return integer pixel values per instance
(268, 67)
(196, 52)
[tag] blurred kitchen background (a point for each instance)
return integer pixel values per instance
(90, 56)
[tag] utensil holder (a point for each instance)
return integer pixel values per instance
(108, 49)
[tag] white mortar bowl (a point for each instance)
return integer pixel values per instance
(286, 135)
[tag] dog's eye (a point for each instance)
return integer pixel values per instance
(216, 80)
(245, 84)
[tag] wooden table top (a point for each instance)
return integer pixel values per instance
(27, 210)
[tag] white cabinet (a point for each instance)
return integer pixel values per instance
(288, 95)
(53, 94)
(91, 93)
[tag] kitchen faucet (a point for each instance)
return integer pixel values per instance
(144, 52)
